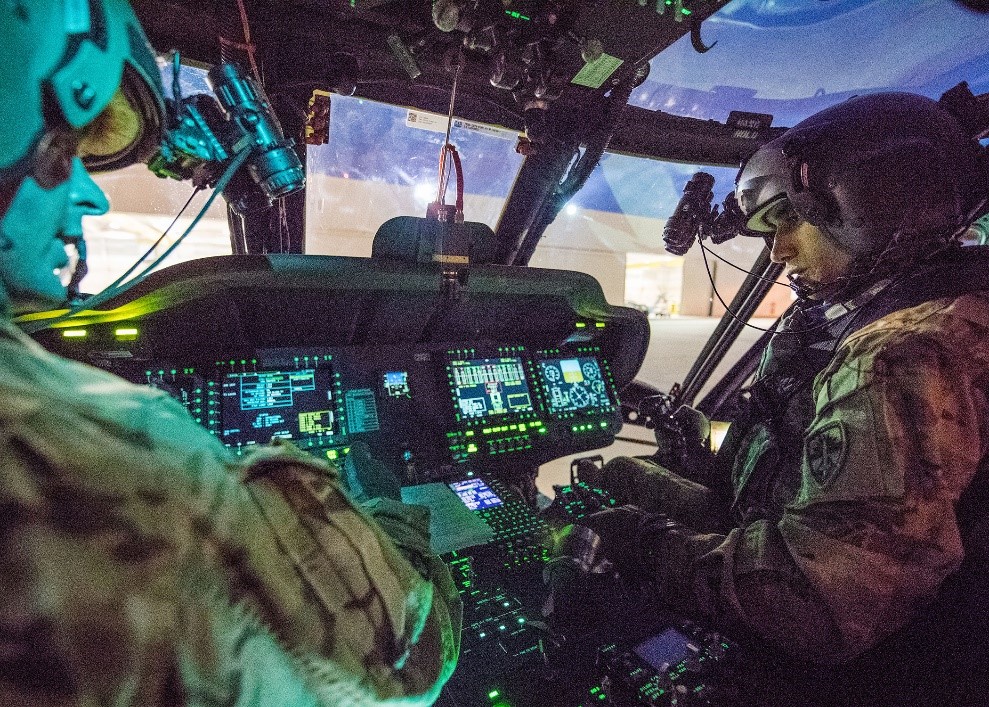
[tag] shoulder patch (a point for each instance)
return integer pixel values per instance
(825, 451)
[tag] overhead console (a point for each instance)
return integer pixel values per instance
(520, 367)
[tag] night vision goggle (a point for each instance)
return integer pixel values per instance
(205, 134)
(696, 219)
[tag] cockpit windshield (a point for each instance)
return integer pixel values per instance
(778, 61)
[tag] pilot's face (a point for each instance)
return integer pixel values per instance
(811, 259)
(39, 216)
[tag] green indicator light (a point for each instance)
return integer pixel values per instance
(74, 333)
(469, 433)
(494, 693)
(603, 423)
(332, 454)
(685, 11)
(471, 448)
(126, 333)
(600, 325)
(581, 325)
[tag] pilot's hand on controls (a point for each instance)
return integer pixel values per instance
(618, 529)
(367, 477)
(694, 425)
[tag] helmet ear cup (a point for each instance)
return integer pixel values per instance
(810, 158)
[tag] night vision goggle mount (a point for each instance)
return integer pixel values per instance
(206, 133)
(696, 219)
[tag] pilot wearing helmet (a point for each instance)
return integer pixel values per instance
(141, 563)
(850, 526)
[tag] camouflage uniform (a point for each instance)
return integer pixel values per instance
(867, 537)
(143, 564)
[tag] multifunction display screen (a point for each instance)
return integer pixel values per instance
(574, 385)
(665, 649)
(489, 387)
(396, 384)
(259, 406)
(476, 494)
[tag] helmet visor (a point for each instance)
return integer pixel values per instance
(768, 217)
(761, 187)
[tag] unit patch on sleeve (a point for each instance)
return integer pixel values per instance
(825, 451)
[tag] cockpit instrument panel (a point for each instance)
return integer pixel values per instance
(437, 408)
(466, 383)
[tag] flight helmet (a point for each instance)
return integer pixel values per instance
(84, 62)
(887, 176)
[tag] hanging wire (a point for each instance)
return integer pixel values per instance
(838, 309)
(741, 269)
(447, 148)
(157, 243)
(460, 177)
(728, 310)
(221, 184)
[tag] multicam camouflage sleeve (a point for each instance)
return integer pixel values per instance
(143, 565)
(363, 625)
